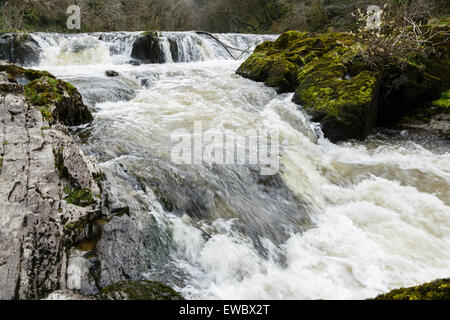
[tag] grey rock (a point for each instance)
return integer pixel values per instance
(37, 225)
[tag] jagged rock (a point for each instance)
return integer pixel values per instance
(37, 222)
(19, 48)
(146, 49)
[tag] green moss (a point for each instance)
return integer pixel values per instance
(344, 104)
(81, 197)
(444, 101)
(278, 63)
(74, 226)
(5, 143)
(59, 163)
(436, 290)
(139, 290)
(15, 72)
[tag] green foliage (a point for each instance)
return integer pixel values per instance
(81, 197)
(436, 290)
(444, 101)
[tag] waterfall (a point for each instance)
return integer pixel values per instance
(116, 47)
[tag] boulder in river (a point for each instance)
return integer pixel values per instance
(111, 73)
(147, 49)
(336, 88)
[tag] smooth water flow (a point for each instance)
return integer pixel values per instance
(338, 221)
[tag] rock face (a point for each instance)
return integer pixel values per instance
(39, 216)
(436, 290)
(332, 83)
(19, 48)
(146, 49)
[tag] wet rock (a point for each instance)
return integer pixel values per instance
(7, 47)
(26, 50)
(111, 73)
(106, 89)
(134, 63)
(146, 49)
(19, 48)
(174, 50)
(139, 290)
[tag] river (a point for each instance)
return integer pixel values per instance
(336, 221)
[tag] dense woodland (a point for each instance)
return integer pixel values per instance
(254, 16)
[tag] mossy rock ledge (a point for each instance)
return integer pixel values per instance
(436, 290)
(336, 88)
(58, 101)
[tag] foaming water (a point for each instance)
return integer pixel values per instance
(348, 220)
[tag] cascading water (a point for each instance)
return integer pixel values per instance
(338, 221)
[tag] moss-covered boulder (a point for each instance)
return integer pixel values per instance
(278, 63)
(59, 101)
(436, 290)
(138, 290)
(337, 92)
(147, 49)
(337, 88)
